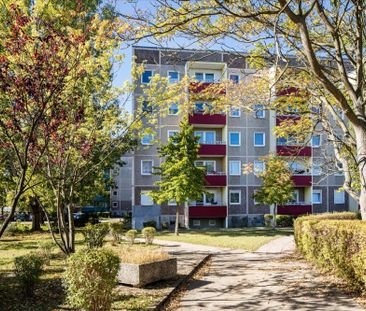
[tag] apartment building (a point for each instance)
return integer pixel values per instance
(227, 142)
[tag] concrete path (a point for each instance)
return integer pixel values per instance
(263, 281)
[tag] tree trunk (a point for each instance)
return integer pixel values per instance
(70, 210)
(36, 214)
(274, 220)
(361, 159)
(176, 231)
(186, 215)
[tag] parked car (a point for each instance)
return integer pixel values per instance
(80, 219)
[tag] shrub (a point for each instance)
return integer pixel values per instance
(131, 235)
(336, 244)
(281, 220)
(17, 228)
(141, 255)
(149, 234)
(45, 250)
(116, 230)
(90, 278)
(165, 225)
(94, 235)
(150, 223)
(28, 269)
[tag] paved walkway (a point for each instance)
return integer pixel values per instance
(262, 281)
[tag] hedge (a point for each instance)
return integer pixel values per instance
(282, 221)
(336, 243)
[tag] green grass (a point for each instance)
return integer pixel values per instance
(249, 239)
(49, 294)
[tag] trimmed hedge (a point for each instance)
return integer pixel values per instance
(336, 243)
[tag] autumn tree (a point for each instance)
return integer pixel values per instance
(322, 41)
(277, 187)
(180, 180)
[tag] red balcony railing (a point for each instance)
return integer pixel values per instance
(215, 180)
(302, 180)
(212, 150)
(280, 119)
(212, 211)
(211, 88)
(302, 151)
(294, 209)
(210, 119)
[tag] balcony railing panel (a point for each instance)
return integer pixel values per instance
(302, 180)
(213, 211)
(212, 150)
(294, 209)
(212, 88)
(215, 179)
(302, 151)
(207, 119)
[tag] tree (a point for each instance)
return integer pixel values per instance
(323, 40)
(180, 180)
(277, 185)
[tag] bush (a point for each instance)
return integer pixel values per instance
(45, 250)
(116, 230)
(165, 225)
(336, 243)
(131, 235)
(149, 234)
(94, 235)
(150, 223)
(281, 220)
(90, 278)
(28, 269)
(17, 227)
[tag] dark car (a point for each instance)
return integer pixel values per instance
(80, 219)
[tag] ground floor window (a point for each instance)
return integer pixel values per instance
(212, 222)
(196, 223)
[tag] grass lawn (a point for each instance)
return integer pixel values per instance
(249, 239)
(49, 294)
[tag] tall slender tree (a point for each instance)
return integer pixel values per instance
(180, 180)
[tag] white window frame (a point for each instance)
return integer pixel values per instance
(343, 199)
(212, 222)
(235, 191)
(320, 141)
(147, 144)
(196, 223)
(230, 144)
(205, 163)
(254, 201)
(152, 74)
(169, 71)
(172, 131)
(142, 167)
(203, 137)
(262, 163)
(144, 193)
(234, 74)
(264, 139)
(115, 192)
(114, 204)
(262, 111)
(296, 193)
(204, 75)
(235, 161)
(233, 115)
(321, 196)
(173, 114)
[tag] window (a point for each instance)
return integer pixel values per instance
(146, 167)
(172, 133)
(209, 165)
(234, 168)
(146, 139)
(316, 170)
(315, 141)
(206, 137)
(298, 168)
(317, 197)
(255, 202)
(258, 167)
(146, 199)
(259, 139)
(205, 77)
(146, 107)
(115, 192)
(339, 167)
(235, 112)
(234, 139)
(235, 197)
(295, 196)
(173, 76)
(196, 223)
(235, 78)
(259, 112)
(339, 197)
(212, 222)
(115, 204)
(173, 109)
(200, 108)
(146, 76)
(210, 198)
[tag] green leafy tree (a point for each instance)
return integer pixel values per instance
(277, 185)
(180, 180)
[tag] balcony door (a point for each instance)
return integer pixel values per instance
(207, 199)
(206, 137)
(209, 165)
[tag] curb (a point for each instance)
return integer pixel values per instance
(184, 281)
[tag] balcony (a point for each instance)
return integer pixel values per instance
(217, 149)
(280, 119)
(211, 211)
(215, 179)
(292, 150)
(208, 88)
(302, 180)
(197, 119)
(295, 208)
